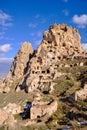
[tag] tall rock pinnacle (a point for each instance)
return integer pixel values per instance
(19, 64)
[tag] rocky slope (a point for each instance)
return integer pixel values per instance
(49, 76)
(36, 70)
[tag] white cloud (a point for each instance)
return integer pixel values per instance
(37, 33)
(65, 0)
(84, 46)
(37, 16)
(66, 12)
(5, 65)
(5, 48)
(2, 35)
(32, 25)
(5, 19)
(6, 60)
(4, 16)
(81, 20)
(37, 42)
(5, 22)
(32, 34)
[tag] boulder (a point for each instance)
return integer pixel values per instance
(43, 108)
(12, 108)
(3, 116)
(81, 94)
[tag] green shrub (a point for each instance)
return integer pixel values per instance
(62, 84)
(17, 116)
(2, 127)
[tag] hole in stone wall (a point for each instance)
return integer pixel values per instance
(45, 92)
(38, 116)
(58, 33)
(32, 72)
(48, 71)
(48, 46)
(40, 77)
(65, 29)
(43, 72)
(50, 50)
(59, 57)
(13, 74)
(52, 74)
(64, 44)
(64, 56)
(39, 60)
(49, 41)
(53, 58)
(57, 65)
(71, 65)
(37, 67)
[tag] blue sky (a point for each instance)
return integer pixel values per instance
(26, 20)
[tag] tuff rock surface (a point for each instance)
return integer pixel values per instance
(60, 41)
(33, 70)
(6, 119)
(19, 66)
(36, 72)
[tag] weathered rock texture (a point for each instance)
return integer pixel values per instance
(19, 66)
(12, 108)
(3, 116)
(59, 42)
(37, 70)
(41, 108)
(81, 94)
(6, 119)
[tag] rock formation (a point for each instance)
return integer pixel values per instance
(37, 70)
(60, 41)
(39, 110)
(3, 116)
(50, 75)
(12, 108)
(19, 66)
(81, 94)
(6, 119)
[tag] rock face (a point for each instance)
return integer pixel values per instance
(12, 108)
(19, 66)
(62, 40)
(37, 70)
(81, 94)
(59, 42)
(6, 119)
(3, 116)
(39, 110)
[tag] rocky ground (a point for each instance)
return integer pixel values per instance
(53, 79)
